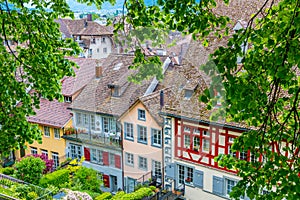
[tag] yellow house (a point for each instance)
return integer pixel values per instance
(53, 116)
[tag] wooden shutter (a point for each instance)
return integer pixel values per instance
(170, 170)
(198, 178)
(218, 185)
(105, 158)
(106, 180)
(118, 161)
(87, 154)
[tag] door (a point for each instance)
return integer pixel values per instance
(114, 183)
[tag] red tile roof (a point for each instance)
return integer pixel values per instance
(51, 113)
(71, 85)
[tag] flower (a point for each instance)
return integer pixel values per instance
(188, 179)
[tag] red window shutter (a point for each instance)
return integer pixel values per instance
(106, 180)
(105, 158)
(118, 161)
(87, 154)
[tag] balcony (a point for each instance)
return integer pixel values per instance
(98, 138)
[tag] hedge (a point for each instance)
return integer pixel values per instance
(105, 195)
(56, 178)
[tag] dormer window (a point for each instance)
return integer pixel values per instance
(115, 91)
(67, 99)
(188, 93)
(244, 46)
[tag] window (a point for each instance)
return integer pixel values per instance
(33, 150)
(156, 137)
(93, 41)
(142, 134)
(115, 91)
(109, 124)
(230, 139)
(78, 119)
(206, 133)
(243, 155)
(90, 52)
(196, 131)
(205, 145)
(105, 50)
(128, 128)
(55, 159)
(44, 152)
(187, 141)
(252, 157)
(46, 131)
(68, 99)
(56, 133)
(185, 174)
(229, 184)
(156, 169)
(85, 120)
(92, 122)
(190, 173)
(129, 159)
(230, 152)
(181, 174)
(143, 163)
(103, 40)
(196, 142)
(188, 94)
(75, 151)
(186, 129)
(141, 115)
(111, 159)
(97, 156)
(98, 50)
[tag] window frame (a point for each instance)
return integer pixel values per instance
(77, 151)
(139, 134)
(56, 131)
(129, 159)
(154, 137)
(33, 151)
(141, 112)
(48, 131)
(145, 168)
(55, 158)
(128, 135)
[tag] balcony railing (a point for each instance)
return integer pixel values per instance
(97, 138)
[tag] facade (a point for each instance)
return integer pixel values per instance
(98, 134)
(94, 39)
(142, 141)
(54, 117)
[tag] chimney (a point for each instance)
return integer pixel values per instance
(89, 17)
(98, 71)
(161, 99)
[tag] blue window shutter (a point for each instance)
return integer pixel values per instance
(198, 178)
(170, 170)
(218, 185)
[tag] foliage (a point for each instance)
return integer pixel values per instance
(75, 165)
(119, 195)
(138, 194)
(7, 192)
(7, 170)
(57, 178)
(29, 192)
(261, 93)
(48, 162)
(6, 182)
(75, 195)
(33, 57)
(88, 178)
(91, 193)
(30, 169)
(103, 196)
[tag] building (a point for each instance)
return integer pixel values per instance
(142, 140)
(54, 117)
(96, 110)
(94, 39)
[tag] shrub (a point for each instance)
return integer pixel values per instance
(76, 195)
(48, 162)
(139, 194)
(92, 194)
(6, 182)
(30, 169)
(88, 178)
(57, 178)
(119, 195)
(105, 195)
(8, 171)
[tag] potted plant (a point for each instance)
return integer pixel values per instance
(188, 180)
